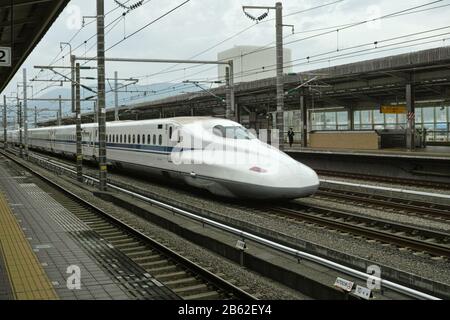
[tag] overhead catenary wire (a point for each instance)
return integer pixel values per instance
(403, 12)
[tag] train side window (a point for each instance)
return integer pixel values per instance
(154, 139)
(149, 139)
(170, 133)
(134, 139)
(121, 138)
(129, 138)
(143, 139)
(113, 139)
(160, 139)
(139, 139)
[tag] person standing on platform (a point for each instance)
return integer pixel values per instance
(291, 135)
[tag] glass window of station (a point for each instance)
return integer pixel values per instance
(435, 119)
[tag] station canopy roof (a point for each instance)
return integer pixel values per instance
(23, 23)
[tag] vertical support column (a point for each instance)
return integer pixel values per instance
(238, 113)
(25, 112)
(95, 112)
(79, 165)
(116, 97)
(19, 118)
(60, 112)
(351, 119)
(304, 122)
(410, 105)
(101, 95)
(5, 124)
(35, 116)
(232, 97)
(72, 68)
(280, 80)
(228, 112)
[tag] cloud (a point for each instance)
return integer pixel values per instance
(201, 24)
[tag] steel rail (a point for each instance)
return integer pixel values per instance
(434, 248)
(413, 206)
(268, 243)
(391, 189)
(207, 275)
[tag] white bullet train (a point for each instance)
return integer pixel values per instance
(210, 153)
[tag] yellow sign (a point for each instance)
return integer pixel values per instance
(394, 109)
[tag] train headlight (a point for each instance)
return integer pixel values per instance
(258, 170)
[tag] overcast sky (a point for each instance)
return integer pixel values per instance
(200, 24)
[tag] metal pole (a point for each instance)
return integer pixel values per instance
(72, 68)
(35, 116)
(304, 123)
(60, 112)
(101, 95)
(411, 130)
(228, 93)
(95, 112)
(78, 124)
(280, 80)
(19, 110)
(116, 97)
(5, 124)
(231, 75)
(25, 113)
(351, 119)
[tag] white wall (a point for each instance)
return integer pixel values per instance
(251, 63)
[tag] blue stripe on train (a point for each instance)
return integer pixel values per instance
(127, 147)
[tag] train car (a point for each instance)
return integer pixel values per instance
(218, 155)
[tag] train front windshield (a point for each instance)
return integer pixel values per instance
(233, 132)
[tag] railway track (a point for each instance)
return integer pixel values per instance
(366, 177)
(421, 209)
(187, 279)
(420, 240)
(439, 249)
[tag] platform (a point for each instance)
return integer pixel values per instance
(40, 241)
(432, 152)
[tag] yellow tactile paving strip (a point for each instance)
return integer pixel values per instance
(27, 278)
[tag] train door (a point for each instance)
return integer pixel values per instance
(169, 143)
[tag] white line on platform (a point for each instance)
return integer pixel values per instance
(421, 193)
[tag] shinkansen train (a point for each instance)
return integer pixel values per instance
(210, 153)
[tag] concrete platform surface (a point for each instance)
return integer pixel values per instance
(43, 245)
(432, 152)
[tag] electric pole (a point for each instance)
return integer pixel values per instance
(5, 124)
(19, 118)
(116, 97)
(60, 112)
(25, 113)
(101, 95)
(229, 112)
(280, 80)
(79, 159)
(279, 62)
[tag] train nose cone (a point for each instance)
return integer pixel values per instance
(300, 181)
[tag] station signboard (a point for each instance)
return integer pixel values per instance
(5, 57)
(397, 109)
